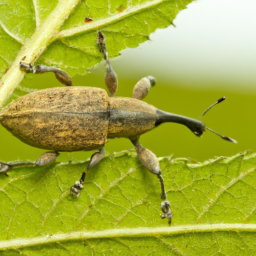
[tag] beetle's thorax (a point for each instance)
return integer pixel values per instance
(130, 117)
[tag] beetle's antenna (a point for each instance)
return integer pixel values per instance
(223, 137)
(217, 102)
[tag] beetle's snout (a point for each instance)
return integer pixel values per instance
(197, 128)
(198, 133)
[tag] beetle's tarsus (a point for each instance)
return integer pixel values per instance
(28, 68)
(95, 159)
(101, 41)
(165, 206)
(76, 189)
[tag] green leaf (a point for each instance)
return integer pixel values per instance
(213, 205)
(54, 32)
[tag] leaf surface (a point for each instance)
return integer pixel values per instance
(213, 204)
(55, 33)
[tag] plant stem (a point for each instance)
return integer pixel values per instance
(35, 46)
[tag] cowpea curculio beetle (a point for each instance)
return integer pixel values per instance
(83, 118)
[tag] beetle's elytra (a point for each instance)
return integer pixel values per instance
(83, 118)
(76, 118)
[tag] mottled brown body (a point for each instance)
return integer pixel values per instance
(75, 118)
(60, 119)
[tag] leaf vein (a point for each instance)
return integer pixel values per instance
(127, 232)
(109, 20)
(36, 12)
(104, 192)
(224, 188)
(16, 38)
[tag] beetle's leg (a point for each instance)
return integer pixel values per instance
(111, 77)
(111, 80)
(45, 159)
(95, 159)
(62, 76)
(150, 161)
(142, 88)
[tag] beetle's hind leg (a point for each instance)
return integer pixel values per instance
(62, 76)
(142, 88)
(111, 77)
(150, 161)
(95, 159)
(45, 159)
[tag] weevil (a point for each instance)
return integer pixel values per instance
(83, 118)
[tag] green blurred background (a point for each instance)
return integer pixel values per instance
(209, 54)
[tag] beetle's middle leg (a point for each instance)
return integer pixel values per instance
(45, 159)
(150, 161)
(62, 76)
(95, 159)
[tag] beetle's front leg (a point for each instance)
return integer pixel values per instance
(95, 159)
(62, 76)
(150, 161)
(45, 159)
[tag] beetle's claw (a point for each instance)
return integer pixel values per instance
(4, 168)
(165, 206)
(76, 189)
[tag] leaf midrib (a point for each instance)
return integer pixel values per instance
(126, 232)
(109, 20)
(48, 32)
(35, 46)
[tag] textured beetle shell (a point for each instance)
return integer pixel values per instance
(76, 118)
(61, 119)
